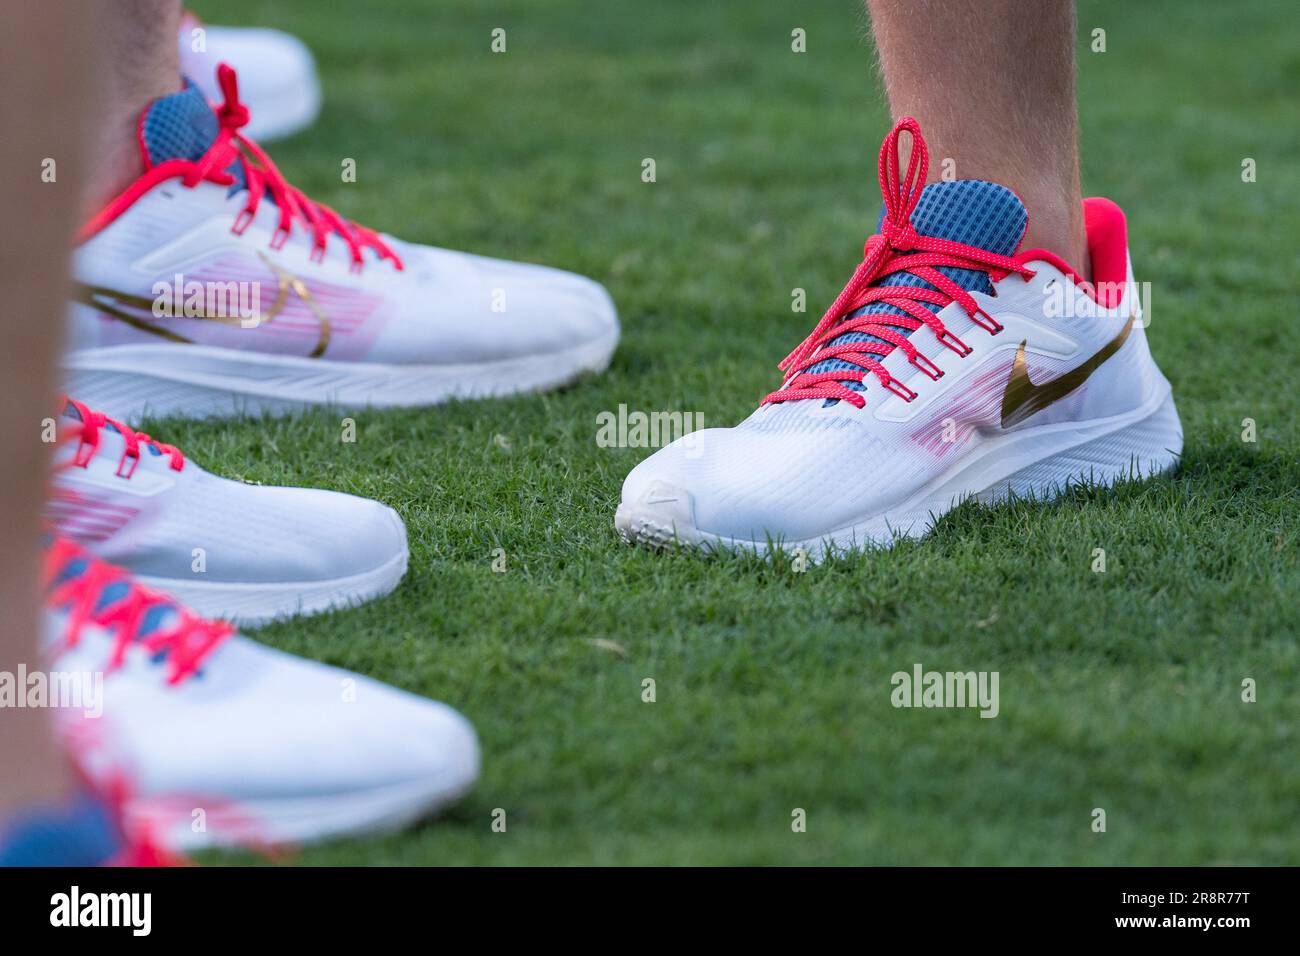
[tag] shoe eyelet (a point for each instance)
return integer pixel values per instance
(994, 326)
(901, 390)
(135, 460)
(960, 347)
(929, 368)
(85, 452)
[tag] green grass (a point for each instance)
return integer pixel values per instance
(1119, 690)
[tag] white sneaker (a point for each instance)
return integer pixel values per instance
(227, 549)
(275, 69)
(951, 367)
(211, 287)
(224, 741)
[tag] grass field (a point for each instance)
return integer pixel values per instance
(1119, 690)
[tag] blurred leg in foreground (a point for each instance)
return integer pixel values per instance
(993, 85)
(53, 54)
(44, 113)
(185, 750)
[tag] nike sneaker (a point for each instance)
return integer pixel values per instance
(211, 286)
(952, 366)
(276, 70)
(227, 742)
(227, 549)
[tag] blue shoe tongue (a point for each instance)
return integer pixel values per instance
(969, 211)
(180, 125)
(155, 619)
(70, 411)
(973, 212)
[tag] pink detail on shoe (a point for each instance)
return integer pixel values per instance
(355, 318)
(84, 518)
(979, 407)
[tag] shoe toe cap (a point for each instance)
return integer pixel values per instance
(745, 486)
(462, 308)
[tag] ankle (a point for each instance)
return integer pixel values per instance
(1057, 226)
(118, 162)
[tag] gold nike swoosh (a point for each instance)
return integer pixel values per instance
(110, 302)
(114, 303)
(289, 281)
(1023, 398)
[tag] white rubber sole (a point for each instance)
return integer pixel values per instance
(303, 820)
(200, 381)
(251, 605)
(1038, 463)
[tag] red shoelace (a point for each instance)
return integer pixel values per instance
(261, 176)
(185, 640)
(141, 846)
(897, 248)
(88, 431)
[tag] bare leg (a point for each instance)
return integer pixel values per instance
(139, 42)
(56, 55)
(992, 84)
(43, 107)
